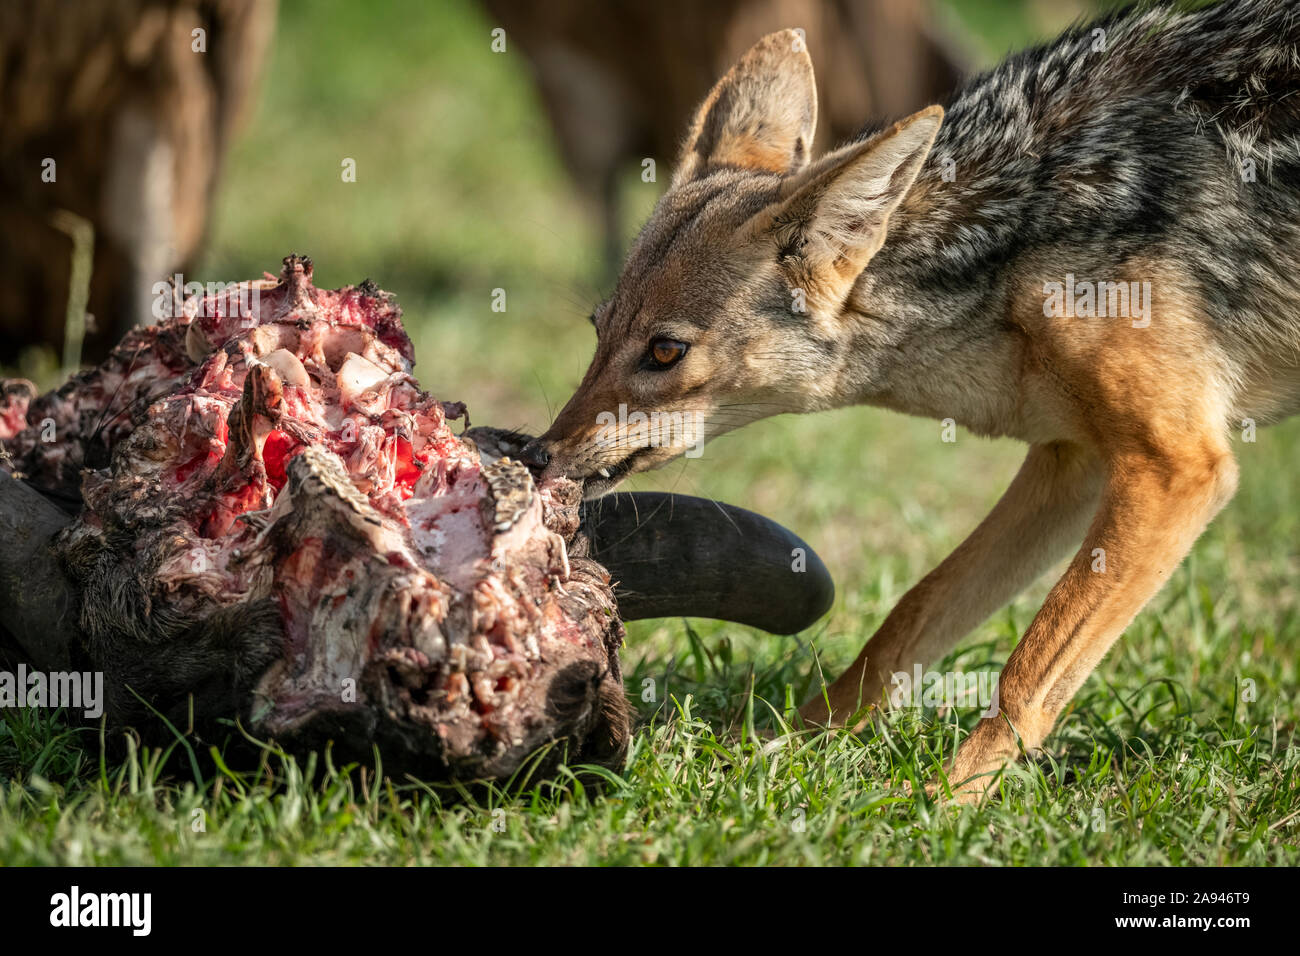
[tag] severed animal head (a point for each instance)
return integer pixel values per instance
(276, 524)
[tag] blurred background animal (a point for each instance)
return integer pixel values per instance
(617, 78)
(116, 118)
(118, 112)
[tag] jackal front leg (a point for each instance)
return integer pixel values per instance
(1042, 515)
(1153, 508)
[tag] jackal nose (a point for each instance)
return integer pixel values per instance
(535, 455)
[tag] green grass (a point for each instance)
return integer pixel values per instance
(458, 192)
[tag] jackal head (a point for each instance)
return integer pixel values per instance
(728, 308)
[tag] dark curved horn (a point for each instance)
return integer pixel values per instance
(38, 606)
(678, 556)
(670, 556)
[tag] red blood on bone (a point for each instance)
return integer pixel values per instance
(407, 472)
(276, 453)
(13, 418)
(187, 469)
(229, 506)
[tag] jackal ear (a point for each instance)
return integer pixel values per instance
(760, 116)
(834, 215)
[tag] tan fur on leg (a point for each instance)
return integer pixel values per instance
(1041, 515)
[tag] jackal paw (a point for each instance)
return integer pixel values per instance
(974, 772)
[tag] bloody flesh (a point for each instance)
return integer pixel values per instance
(278, 522)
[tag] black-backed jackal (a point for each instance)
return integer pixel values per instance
(1095, 249)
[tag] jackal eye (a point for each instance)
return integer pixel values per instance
(665, 353)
